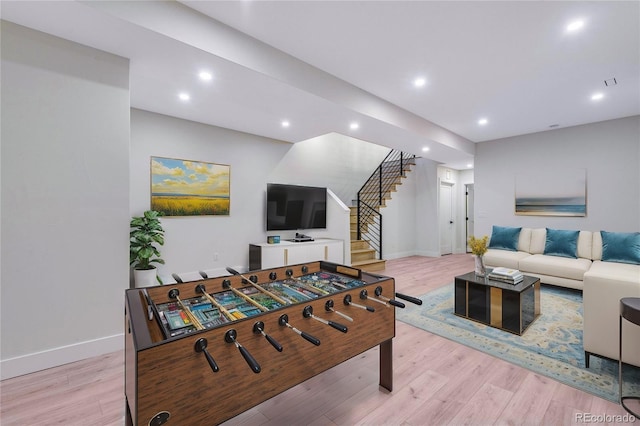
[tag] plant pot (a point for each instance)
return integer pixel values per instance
(145, 277)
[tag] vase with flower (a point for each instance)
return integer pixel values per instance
(479, 248)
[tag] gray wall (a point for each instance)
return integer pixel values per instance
(338, 162)
(410, 218)
(65, 204)
(610, 153)
(191, 242)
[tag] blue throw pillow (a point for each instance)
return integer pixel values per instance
(621, 247)
(504, 238)
(561, 243)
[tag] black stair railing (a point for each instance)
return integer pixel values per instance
(372, 195)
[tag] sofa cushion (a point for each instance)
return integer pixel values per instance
(596, 251)
(561, 243)
(621, 247)
(615, 272)
(524, 241)
(504, 238)
(556, 266)
(585, 244)
(604, 285)
(505, 258)
(538, 239)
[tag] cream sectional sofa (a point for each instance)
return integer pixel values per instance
(603, 284)
(531, 260)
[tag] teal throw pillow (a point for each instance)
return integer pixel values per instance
(561, 243)
(621, 247)
(504, 238)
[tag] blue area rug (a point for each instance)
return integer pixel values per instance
(551, 346)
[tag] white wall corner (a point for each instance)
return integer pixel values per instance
(342, 229)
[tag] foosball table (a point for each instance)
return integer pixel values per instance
(202, 352)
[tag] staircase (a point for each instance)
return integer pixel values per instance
(362, 255)
(366, 219)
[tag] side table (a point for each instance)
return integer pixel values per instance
(629, 310)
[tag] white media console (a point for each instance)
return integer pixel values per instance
(264, 256)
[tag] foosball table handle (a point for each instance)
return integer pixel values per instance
(397, 304)
(349, 302)
(338, 326)
(274, 342)
(307, 312)
(392, 302)
(201, 346)
(230, 337)
(409, 298)
(310, 338)
(258, 328)
(284, 322)
(250, 360)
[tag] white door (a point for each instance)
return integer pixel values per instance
(446, 218)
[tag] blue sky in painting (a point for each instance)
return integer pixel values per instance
(184, 177)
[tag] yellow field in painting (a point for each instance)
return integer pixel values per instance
(189, 206)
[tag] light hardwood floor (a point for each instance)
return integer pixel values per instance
(436, 382)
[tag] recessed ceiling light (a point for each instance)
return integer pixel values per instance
(419, 82)
(469, 165)
(184, 96)
(575, 25)
(354, 126)
(597, 96)
(285, 123)
(205, 76)
(483, 121)
(425, 149)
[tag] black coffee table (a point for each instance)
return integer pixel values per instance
(501, 305)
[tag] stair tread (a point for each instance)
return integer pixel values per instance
(367, 261)
(370, 265)
(366, 252)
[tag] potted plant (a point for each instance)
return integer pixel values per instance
(479, 248)
(146, 233)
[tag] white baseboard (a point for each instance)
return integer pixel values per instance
(398, 255)
(427, 253)
(31, 363)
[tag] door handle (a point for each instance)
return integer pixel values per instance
(450, 221)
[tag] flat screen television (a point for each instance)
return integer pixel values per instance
(295, 207)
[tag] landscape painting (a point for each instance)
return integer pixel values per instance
(561, 193)
(189, 188)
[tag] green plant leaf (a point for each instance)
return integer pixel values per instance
(146, 230)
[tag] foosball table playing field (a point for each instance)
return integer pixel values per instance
(203, 352)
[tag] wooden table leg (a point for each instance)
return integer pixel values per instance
(128, 421)
(386, 365)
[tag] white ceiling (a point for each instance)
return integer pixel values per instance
(324, 64)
